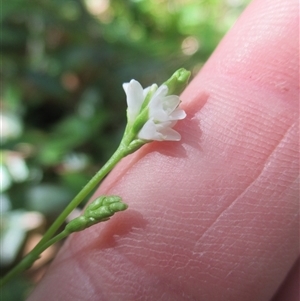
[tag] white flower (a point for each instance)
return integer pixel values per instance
(163, 111)
(135, 96)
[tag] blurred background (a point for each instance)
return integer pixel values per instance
(63, 63)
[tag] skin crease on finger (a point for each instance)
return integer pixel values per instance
(214, 217)
(289, 290)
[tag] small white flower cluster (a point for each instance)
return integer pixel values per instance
(163, 111)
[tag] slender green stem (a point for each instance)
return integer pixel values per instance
(46, 241)
(30, 258)
(114, 159)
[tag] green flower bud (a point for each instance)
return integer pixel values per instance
(178, 81)
(77, 224)
(98, 211)
(104, 202)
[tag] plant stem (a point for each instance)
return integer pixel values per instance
(114, 159)
(30, 258)
(46, 241)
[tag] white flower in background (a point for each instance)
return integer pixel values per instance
(158, 114)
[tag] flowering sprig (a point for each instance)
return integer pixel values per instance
(162, 111)
(153, 112)
(151, 115)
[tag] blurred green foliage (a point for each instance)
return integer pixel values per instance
(63, 65)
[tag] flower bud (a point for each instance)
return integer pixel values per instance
(178, 81)
(98, 211)
(77, 224)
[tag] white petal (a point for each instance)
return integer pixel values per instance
(158, 96)
(160, 131)
(134, 97)
(165, 129)
(162, 91)
(170, 134)
(159, 108)
(178, 114)
(156, 110)
(149, 132)
(153, 87)
(158, 114)
(170, 103)
(162, 107)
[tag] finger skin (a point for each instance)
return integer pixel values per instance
(289, 290)
(214, 217)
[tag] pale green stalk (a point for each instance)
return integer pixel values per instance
(30, 258)
(122, 151)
